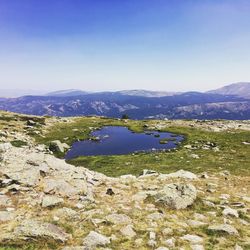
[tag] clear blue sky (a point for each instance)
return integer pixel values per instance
(172, 45)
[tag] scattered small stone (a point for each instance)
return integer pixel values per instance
(96, 222)
(198, 216)
(211, 187)
(94, 240)
(246, 198)
(195, 156)
(194, 239)
(224, 228)
(128, 231)
(195, 223)
(197, 247)
(66, 213)
(237, 204)
(224, 196)
(152, 235)
(155, 216)
(244, 222)
(79, 206)
(167, 231)
(58, 146)
(170, 242)
(31, 123)
(118, 219)
(138, 242)
(209, 203)
(152, 243)
(230, 212)
(246, 143)
(148, 172)
(225, 173)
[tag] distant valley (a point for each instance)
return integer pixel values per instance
(229, 102)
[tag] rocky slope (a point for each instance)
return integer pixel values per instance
(46, 203)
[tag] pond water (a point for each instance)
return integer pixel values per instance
(115, 140)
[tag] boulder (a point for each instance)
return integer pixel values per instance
(66, 213)
(32, 230)
(94, 240)
(29, 176)
(58, 146)
(51, 201)
(223, 228)
(128, 231)
(194, 239)
(179, 174)
(177, 196)
(155, 216)
(167, 231)
(152, 243)
(148, 172)
(246, 198)
(197, 247)
(170, 242)
(64, 188)
(31, 123)
(230, 212)
(118, 219)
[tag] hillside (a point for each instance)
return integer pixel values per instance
(47, 203)
(241, 89)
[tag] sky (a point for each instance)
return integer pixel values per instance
(97, 45)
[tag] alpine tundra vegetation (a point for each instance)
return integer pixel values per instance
(193, 197)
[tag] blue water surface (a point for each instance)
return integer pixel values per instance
(115, 140)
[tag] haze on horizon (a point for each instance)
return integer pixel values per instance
(98, 45)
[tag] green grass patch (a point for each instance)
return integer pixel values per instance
(233, 155)
(18, 143)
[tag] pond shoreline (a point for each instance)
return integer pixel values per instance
(119, 140)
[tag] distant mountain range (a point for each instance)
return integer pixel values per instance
(229, 102)
(134, 92)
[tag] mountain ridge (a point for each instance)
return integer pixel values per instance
(241, 89)
(208, 105)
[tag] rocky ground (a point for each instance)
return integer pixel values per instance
(46, 203)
